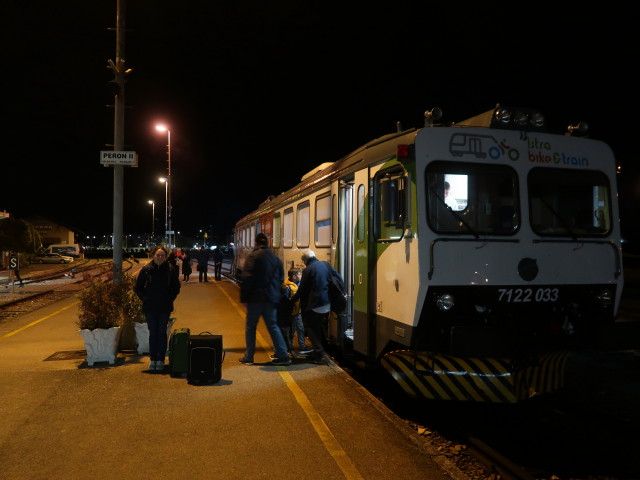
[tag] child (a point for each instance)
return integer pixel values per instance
(296, 325)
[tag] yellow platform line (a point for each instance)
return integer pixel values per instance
(10, 334)
(332, 446)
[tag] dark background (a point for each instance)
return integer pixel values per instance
(257, 93)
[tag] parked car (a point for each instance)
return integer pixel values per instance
(51, 258)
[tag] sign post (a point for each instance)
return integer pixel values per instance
(112, 158)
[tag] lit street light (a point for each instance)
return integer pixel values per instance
(166, 209)
(153, 221)
(162, 128)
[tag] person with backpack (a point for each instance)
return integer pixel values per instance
(313, 293)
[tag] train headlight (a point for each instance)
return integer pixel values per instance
(605, 297)
(445, 302)
(503, 116)
(521, 119)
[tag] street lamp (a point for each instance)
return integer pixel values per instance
(166, 209)
(163, 128)
(153, 221)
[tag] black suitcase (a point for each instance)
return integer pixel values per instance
(205, 358)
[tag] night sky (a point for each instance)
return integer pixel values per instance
(257, 93)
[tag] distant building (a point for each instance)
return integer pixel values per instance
(52, 232)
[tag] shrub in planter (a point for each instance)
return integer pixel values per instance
(105, 304)
(100, 305)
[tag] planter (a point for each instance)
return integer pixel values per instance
(101, 344)
(142, 335)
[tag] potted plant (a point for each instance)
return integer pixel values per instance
(100, 320)
(106, 310)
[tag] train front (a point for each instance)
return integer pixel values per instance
(520, 261)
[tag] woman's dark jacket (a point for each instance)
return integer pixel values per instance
(186, 265)
(157, 286)
(262, 277)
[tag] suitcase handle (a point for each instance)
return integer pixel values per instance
(205, 333)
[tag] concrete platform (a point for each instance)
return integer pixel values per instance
(62, 419)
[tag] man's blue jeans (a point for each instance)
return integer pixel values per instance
(157, 323)
(269, 314)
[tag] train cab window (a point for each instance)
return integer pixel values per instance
(276, 230)
(390, 204)
(569, 203)
(472, 199)
(287, 228)
(323, 221)
(302, 225)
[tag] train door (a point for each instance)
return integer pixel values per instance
(342, 237)
(360, 231)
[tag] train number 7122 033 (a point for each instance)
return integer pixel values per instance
(527, 295)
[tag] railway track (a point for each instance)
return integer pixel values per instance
(33, 302)
(586, 431)
(47, 288)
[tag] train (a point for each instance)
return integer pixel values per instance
(477, 254)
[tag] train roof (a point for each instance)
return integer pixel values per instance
(500, 117)
(321, 175)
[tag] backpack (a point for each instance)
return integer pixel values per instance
(337, 291)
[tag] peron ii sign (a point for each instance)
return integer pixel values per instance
(110, 158)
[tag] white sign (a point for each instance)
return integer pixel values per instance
(108, 157)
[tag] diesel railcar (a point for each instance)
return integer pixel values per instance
(477, 254)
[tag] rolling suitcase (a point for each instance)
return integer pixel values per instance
(205, 358)
(179, 352)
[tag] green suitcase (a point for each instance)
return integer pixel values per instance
(179, 352)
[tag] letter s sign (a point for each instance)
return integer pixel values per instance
(13, 262)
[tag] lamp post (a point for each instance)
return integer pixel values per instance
(163, 128)
(166, 209)
(153, 220)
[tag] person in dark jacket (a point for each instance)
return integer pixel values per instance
(217, 263)
(203, 264)
(262, 277)
(157, 286)
(186, 267)
(315, 305)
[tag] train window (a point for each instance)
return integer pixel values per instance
(361, 217)
(470, 198)
(323, 221)
(276, 230)
(390, 204)
(302, 225)
(287, 228)
(569, 203)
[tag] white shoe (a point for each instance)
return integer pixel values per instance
(160, 365)
(152, 365)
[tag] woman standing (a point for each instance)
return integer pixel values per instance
(186, 267)
(157, 286)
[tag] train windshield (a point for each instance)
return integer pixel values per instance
(469, 198)
(569, 203)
